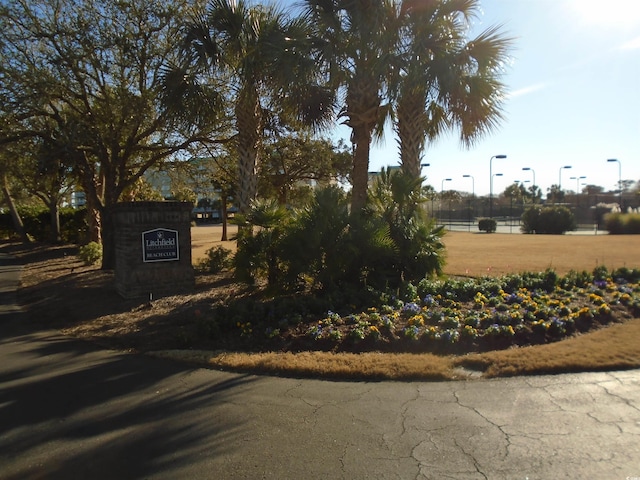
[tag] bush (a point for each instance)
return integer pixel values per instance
(218, 259)
(622, 223)
(488, 225)
(323, 246)
(553, 220)
(73, 224)
(37, 223)
(91, 253)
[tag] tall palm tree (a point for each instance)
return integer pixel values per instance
(264, 58)
(443, 80)
(359, 39)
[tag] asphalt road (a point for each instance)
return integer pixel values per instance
(69, 410)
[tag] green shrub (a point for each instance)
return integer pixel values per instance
(73, 224)
(633, 223)
(91, 253)
(613, 223)
(622, 223)
(217, 259)
(36, 221)
(324, 246)
(488, 225)
(548, 220)
(6, 226)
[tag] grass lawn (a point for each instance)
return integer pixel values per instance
(478, 254)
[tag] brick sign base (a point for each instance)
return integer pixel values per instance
(153, 249)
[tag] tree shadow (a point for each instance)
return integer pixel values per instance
(70, 411)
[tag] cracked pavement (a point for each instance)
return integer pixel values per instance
(69, 410)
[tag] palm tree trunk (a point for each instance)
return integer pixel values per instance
(411, 133)
(248, 121)
(363, 108)
(360, 172)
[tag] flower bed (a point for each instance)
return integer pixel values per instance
(440, 316)
(475, 315)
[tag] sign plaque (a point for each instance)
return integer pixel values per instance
(160, 245)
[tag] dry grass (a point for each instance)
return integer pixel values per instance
(58, 286)
(477, 254)
(612, 348)
(361, 366)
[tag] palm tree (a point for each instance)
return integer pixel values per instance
(442, 81)
(264, 57)
(359, 39)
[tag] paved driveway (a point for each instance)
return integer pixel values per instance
(69, 410)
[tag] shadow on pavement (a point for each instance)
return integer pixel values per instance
(70, 411)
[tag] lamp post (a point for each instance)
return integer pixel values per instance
(491, 194)
(473, 194)
(577, 179)
(529, 169)
(533, 191)
(491, 183)
(441, 195)
(560, 176)
(619, 179)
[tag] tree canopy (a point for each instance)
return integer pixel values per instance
(92, 73)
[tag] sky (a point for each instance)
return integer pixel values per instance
(573, 84)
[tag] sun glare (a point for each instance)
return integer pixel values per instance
(607, 13)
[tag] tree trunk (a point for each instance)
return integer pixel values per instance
(54, 216)
(248, 120)
(92, 194)
(13, 209)
(223, 214)
(108, 240)
(410, 128)
(360, 172)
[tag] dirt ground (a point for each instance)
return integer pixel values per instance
(476, 254)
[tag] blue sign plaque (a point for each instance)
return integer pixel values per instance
(160, 245)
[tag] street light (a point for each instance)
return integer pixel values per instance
(577, 179)
(560, 176)
(491, 194)
(491, 183)
(441, 194)
(529, 169)
(473, 194)
(619, 179)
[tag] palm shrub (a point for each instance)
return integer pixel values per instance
(396, 197)
(260, 231)
(325, 246)
(330, 248)
(554, 220)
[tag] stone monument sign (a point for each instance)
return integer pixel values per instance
(153, 248)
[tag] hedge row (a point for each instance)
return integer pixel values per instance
(37, 223)
(622, 223)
